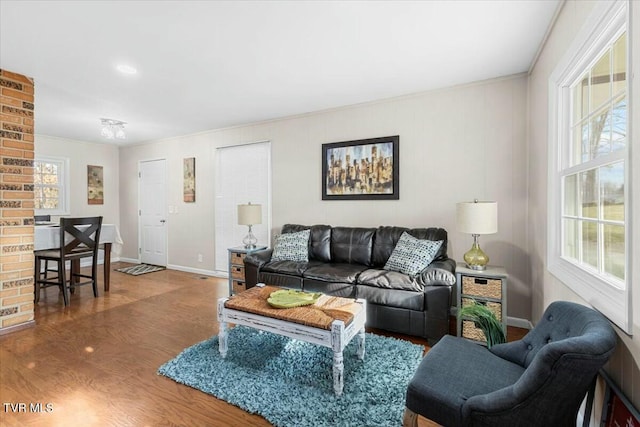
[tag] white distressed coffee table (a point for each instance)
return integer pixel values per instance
(331, 322)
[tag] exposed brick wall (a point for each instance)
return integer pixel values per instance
(16, 201)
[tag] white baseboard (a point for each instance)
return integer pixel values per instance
(18, 327)
(519, 323)
(86, 262)
(201, 271)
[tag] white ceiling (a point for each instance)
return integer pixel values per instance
(205, 65)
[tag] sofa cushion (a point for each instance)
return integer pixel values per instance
(319, 240)
(344, 290)
(352, 245)
(433, 234)
(411, 255)
(384, 242)
(334, 272)
(432, 383)
(391, 297)
(389, 280)
(281, 280)
(294, 268)
(386, 238)
(292, 247)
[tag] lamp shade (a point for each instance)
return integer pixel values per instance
(477, 217)
(249, 214)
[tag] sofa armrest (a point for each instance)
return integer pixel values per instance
(258, 258)
(437, 301)
(253, 262)
(439, 273)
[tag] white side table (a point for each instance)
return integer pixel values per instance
(237, 282)
(487, 287)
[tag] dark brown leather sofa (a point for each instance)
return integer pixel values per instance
(349, 262)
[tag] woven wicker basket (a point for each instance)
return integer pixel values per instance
(495, 307)
(470, 331)
(238, 287)
(237, 258)
(487, 288)
(237, 272)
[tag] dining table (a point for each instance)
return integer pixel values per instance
(47, 236)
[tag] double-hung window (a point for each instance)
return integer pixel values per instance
(51, 186)
(589, 166)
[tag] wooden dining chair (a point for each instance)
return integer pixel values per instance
(79, 238)
(40, 219)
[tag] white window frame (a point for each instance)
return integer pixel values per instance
(64, 186)
(608, 297)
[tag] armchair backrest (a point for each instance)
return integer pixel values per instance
(565, 328)
(562, 356)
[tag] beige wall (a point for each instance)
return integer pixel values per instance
(546, 288)
(191, 228)
(456, 144)
(80, 155)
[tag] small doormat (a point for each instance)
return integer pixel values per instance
(137, 270)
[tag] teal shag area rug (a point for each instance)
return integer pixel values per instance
(290, 382)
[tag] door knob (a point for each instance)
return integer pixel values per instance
(163, 221)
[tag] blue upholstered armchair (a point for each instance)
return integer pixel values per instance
(540, 380)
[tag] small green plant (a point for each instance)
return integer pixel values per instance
(486, 321)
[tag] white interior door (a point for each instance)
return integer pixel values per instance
(153, 218)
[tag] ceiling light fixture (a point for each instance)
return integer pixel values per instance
(126, 69)
(113, 129)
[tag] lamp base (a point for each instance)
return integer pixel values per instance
(475, 258)
(477, 267)
(250, 240)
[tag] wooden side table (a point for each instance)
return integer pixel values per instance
(237, 281)
(487, 287)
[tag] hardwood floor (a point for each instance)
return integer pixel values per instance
(94, 363)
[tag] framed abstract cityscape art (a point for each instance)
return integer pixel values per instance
(365, 169)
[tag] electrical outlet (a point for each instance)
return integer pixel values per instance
(199, 257)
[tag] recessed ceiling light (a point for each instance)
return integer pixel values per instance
(126, 69)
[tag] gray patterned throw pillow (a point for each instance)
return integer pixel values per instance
(292, 247)
(411, 255)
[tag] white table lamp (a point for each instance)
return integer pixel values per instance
(477, 218)
(249, 215)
